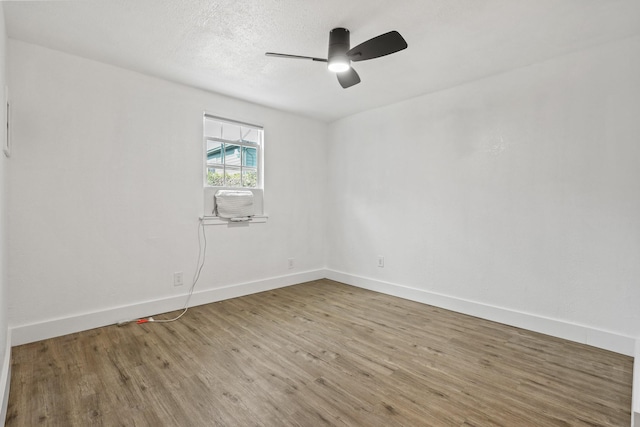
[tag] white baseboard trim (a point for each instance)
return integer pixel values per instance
(50, 328)
(23, 334)
(570, 331)
(635, 398)
(5, 379)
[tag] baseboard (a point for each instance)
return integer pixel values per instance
(5, 379)
(554, 327)
(23, 334)
(635, 399)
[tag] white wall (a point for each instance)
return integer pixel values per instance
(5, 341)
(106, 191)
(519, 193)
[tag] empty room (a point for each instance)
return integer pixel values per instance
(297, 213)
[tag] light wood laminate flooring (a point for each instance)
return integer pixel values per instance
(315, 354)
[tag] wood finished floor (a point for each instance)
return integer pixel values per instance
(319, 353)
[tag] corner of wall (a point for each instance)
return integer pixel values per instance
(5, 333)
(635, 401)
(5, 380)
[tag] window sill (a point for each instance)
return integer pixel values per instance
(216, 220)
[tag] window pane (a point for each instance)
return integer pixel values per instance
(233, 178)
(231, 132)
(251, 135)
(212, 129)
(249, 157)
(249, 178)
(232, 154)
(215, 177)
(215, 153)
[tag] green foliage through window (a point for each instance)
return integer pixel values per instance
(233, 179)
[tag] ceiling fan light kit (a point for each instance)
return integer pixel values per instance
(338, 47)
(340, 56)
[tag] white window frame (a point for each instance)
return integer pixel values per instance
(259, 146)
(209, 191)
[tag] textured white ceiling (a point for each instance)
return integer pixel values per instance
(219, 45)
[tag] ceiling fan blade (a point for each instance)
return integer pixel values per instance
(348, 78)
(376, 47)
(285, 55)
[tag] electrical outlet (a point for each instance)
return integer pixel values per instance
(290, 263)
(380, 261)
(177, 279)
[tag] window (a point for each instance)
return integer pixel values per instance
(233, 159)
(233, 153)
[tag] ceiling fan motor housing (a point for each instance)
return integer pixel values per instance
(338, 46)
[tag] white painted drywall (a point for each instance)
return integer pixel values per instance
(5, 344)
(106, 189)
(519, 191)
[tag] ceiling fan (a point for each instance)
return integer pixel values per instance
(340, 55)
